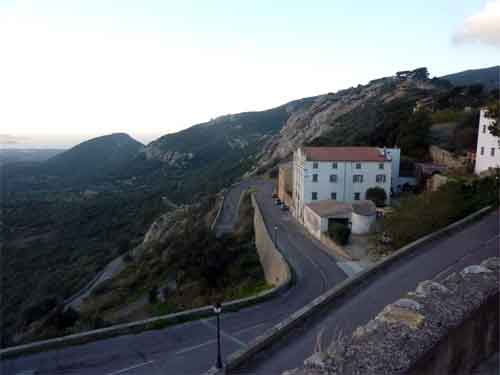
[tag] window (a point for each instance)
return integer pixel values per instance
(380, 178)
(482, 150)
(358, 165)
(314, 196)
(493, 151)
(357, 178)
(484, 128)
(315, 178)
(315, 165)
(357, 196)
(381, 166)
(333, 178)
(334, 165)
(333, 196)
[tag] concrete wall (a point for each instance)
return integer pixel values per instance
(486, 142)
(313, 222)
(362, 224)
(275, 266)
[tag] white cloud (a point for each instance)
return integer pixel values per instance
(483, 27)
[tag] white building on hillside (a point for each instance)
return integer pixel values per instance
(341, 174)
(488, 146)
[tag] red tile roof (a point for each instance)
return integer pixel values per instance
(343, 154)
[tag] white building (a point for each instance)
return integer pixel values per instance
(341, 174)
(488, 146)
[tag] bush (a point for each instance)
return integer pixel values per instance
(377, 195)
(425, 213)
(340, 233)
(39, 310)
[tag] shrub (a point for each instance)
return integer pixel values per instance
(39, 310)
(425, 213)
(377, 195)
(340, 233)
(153, 295)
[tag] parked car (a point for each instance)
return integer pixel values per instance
(275, 196)
(278, 202)
(284, 207)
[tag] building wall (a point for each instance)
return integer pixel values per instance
(345, 188)
(446, 158)
(395, 155)
(486, 142)
(285, 184)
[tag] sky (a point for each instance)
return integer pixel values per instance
(71, 70)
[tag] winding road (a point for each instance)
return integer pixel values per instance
(190, 348)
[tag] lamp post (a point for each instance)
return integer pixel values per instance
(276, 236)
(497, 178)
(217, 311)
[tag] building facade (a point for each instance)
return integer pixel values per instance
(341, 174)
(285, 183)
(488, 146)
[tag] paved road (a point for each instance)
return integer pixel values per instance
(470, 246)
(111, 269)
(190, 348)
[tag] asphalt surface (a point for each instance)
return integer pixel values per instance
(190, 348)
(436, 261)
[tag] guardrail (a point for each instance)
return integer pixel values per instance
(241, 357)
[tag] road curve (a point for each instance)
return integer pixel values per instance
(190, 348)
(435, 261)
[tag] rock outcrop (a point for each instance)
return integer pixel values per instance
(328, 110)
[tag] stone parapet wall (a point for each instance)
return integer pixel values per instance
(275, 267)
(440, 328)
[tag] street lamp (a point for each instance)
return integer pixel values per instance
(217, 311)
(276, 235)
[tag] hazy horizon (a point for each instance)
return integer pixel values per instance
(80, 69)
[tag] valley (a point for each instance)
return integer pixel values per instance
(65, 218)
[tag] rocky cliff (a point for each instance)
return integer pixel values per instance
(347, 117)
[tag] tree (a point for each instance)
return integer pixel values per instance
(414, 135)
(377, 195)
(340, 233)
(494, 113)
(475, 89)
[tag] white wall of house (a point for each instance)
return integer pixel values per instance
(488, 146)
(395, 156)
(362, 224)
(307, 186)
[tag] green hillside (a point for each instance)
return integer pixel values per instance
(488, 77)
(101, 156)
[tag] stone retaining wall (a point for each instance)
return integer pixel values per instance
(275, 267)
(444, 157)
(440, 328)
